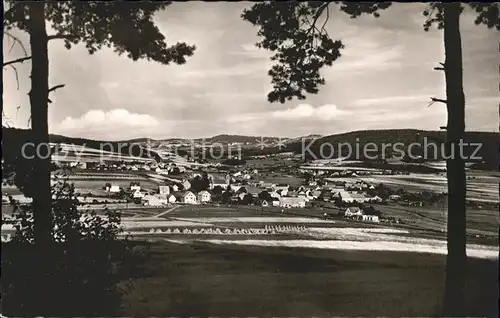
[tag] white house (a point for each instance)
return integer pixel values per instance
(235, 188)
(5, 198)
(353, 212)
(188, 197)
(175, 188)
(274, 194)
(171, 199)
(281, 187)
(204, 196)
(303, 196)
(292, 202)
(163, 190)
(137, 194)
(186, 185)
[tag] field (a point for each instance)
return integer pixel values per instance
(277, 179)
(202, 279)
(254, 226)
(481, 186)
(479, 221)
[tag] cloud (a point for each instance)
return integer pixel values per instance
(249, 50)
(423, 98)
(362, 58)
(240, 69)
(231, 95)
(301, 111)
(116, 118)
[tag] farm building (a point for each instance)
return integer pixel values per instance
(78, 165)
(204, 196)
(112, 188)
(353, 212)
(370, 218)
(394, 197)
(151, 200)
(292, 202)
(134, 185)
(20, 198)
(219, 180)
(350, 197)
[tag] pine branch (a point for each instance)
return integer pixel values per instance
(442, 68)
(19, 60)
(56, 87)
(61, 36)
(438, 100)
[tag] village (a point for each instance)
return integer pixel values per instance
(329, 193)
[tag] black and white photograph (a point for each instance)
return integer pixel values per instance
(250, 159)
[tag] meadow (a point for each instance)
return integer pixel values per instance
(204, 279)
(479, 221)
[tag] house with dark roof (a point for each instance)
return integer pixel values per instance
(135, 185)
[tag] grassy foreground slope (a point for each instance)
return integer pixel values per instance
(209, 280)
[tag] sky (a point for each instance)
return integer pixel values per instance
(383, 80)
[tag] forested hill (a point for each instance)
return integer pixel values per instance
(489, 141)
(14, 138)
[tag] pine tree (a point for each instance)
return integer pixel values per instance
(302, 47)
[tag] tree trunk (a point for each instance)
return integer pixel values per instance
(39, 96)
(456, 258)
(42, 197)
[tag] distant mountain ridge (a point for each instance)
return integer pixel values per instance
(489, 140)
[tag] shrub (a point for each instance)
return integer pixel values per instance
(86, 261)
